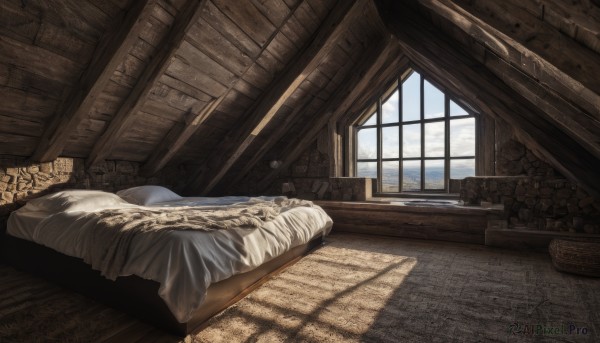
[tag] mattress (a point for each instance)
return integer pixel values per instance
(185, 263)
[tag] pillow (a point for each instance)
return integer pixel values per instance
(147, 195)
(75, 200)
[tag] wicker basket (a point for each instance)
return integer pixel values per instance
(577, 257)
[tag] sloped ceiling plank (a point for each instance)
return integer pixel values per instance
(124, 118)
(578, 19)
(113, 48)
(334, 26)
(284, 128)
(175, 141)
(344, 98)
(434, 51)
(553, 67)
(178, 135)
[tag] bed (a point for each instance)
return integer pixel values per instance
(169, 260)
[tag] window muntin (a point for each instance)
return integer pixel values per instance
(416, 138)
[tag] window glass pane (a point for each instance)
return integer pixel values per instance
(411, 140)
(390, 109)
(411, 98)
(411, 176)
(367, 143)
(366, 169)
(434, 139)
(390, 140)
(390, 176)
(462, 137)
(434, 174)
(459, 169)
(372, 120)
(456, 110)
(433, 101)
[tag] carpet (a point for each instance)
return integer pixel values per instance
(354, 289)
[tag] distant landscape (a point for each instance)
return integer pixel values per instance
(434, 177)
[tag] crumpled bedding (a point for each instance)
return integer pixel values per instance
(185, 262)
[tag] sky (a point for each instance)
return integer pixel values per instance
(462, 131)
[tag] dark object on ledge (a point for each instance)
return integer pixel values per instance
(577, 257)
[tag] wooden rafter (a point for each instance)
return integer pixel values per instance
(188, 15)
(343, 99)
(176, 138)
(112, 49)
(335, 26)
(536, 58)
(287, 124)
(432, 50)
(180, 134)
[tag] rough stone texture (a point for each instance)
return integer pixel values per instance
(536, 202)
(21, 180)
(535, 196)
(350, 188)
(513, 158)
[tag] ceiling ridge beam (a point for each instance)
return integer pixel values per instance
(178, 135)
(432, 50)
(110, 52)
(127, 113)
(345, 97)
(333, 27)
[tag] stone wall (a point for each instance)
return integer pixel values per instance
(21, 180)
(513, 158)
(535, 196)
(536, 203)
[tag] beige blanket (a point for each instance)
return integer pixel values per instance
(116, 228)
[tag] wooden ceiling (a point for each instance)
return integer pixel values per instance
(219, 85)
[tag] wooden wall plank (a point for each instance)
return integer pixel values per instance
(230, 30)
(211, 42)
(248, 18)
(183, 71)
(38, 60)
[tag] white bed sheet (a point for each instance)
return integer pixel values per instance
(185, 263)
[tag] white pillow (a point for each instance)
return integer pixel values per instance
(75, 200)
(147, 195)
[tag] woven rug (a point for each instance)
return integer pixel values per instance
(355, 288)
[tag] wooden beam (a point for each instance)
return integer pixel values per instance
(332, 29)
(283, 129)
(539, 63)
(110, 52)
(176, 138)
(578, 19)
(127, 113)
(180, 134)
(343, 99)
(431, 49)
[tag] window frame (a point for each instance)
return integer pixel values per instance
(376, 108)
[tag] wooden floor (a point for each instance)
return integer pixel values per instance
(357, 288)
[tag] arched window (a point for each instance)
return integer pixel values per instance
(416, 138)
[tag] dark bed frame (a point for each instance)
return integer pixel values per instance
(137, 296)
